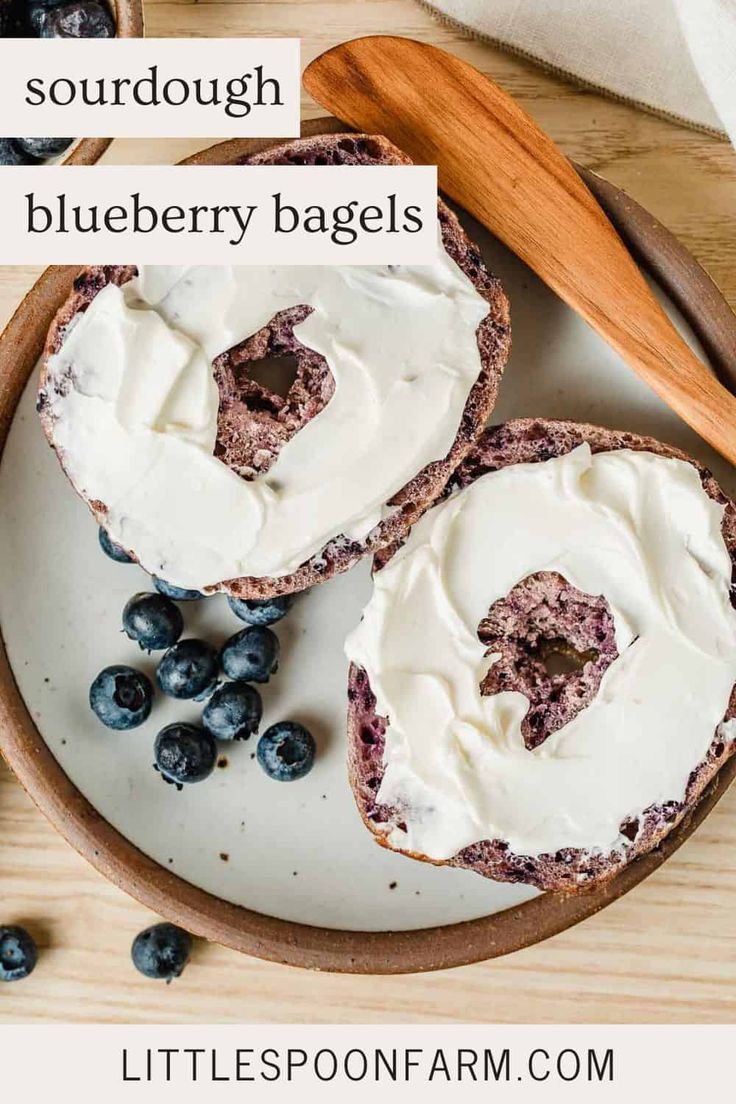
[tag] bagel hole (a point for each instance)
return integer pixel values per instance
(561, 658)
(270, 386)
(276, 373)
(552, 644)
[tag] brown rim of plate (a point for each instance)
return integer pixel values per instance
(252, 932)
(129, 23)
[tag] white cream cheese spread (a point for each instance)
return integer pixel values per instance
(134, 408)
(635, 527)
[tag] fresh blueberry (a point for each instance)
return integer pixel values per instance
(110, 548)
(233, 712)
(43, 149)
(261, 611)
(189, 670)
(121, 697)
(286, 751)
(179, 594)
(161, 951)
(80, 19)
(11, 154)
(153, 621)
(37, 12)
(185, 753)
(18, 953)
(251, 655)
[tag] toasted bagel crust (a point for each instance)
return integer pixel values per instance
(519, 442)
(254, 424)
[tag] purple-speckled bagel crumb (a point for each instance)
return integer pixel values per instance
(544, 615)
(254, 423)
(514, 626)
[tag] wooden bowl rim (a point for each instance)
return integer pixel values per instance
(129, 22)
(243, 929)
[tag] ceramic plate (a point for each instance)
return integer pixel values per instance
(296, 853)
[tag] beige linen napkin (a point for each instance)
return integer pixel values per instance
(675, 57)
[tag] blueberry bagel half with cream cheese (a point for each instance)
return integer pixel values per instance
(213, 481)
(542, 683)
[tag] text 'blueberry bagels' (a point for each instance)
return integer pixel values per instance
(542, 683)
(212, 480)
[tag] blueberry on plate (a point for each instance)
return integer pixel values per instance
(286, 751)
(184, 753)
(179, 594)
(80, 19)
(110, 548)
(43, 149)
(153, 621)
(189, 670)
(261, 611)
(251, 655)
(121, 697)
(233, 712)
(10, 154)
(161, 951)
(18, 953)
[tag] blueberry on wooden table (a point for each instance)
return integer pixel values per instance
(251, 655)
(286, 751)
(233, 712)
(189, 670)
(18, 953)
(153, 621)
(43, 149)
(121, 697)
(36, 12)
(110, 548)
(161, 951)
(12, 154)
(81, 19)
(261, 611)
(179, 594)
(184, 754)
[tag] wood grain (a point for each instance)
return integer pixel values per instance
(496, 163)
(665, 953)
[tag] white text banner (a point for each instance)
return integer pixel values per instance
(150, 88)
(234, 214)
(282, 1063)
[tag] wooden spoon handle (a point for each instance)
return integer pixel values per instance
(494, 160)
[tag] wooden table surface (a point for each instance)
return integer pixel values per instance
(664, 953)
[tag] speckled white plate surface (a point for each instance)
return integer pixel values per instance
(295, 851)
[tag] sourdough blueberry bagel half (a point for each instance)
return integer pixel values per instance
(214, 482)
(542, 683)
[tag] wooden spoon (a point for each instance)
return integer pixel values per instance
(495, 162)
